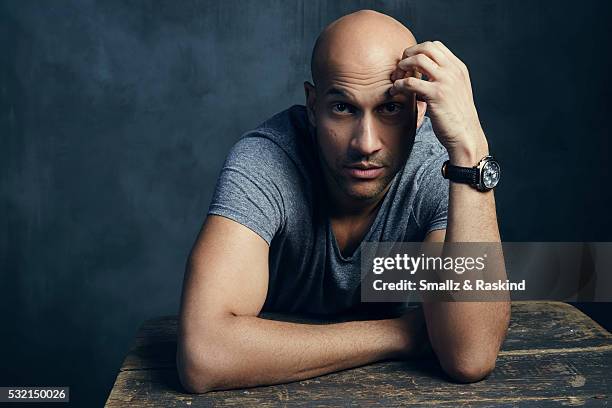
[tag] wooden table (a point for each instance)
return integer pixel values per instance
(553, 355)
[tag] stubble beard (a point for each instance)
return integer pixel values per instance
(365, 190)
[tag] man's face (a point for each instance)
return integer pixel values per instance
(364, 135)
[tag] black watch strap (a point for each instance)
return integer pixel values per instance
(466, 175)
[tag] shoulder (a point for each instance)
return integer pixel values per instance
(254, 150)
(427, 156)
(275, 138)
(424, 187)
(426, 142)
(276, 150)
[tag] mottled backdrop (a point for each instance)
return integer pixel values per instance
(115, 118)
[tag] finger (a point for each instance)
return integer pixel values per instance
(449, 54)
(421, 63)
(430, 49)
(423, 89)
(399, 73)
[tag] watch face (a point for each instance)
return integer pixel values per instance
(490, 174)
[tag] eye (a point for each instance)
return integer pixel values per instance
(392, 108)
(343, 108)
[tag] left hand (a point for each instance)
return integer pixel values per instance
(448, 94)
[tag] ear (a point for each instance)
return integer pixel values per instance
(421, 107)
(311, 98)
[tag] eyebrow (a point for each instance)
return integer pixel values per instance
(336, 91)
(341, 92)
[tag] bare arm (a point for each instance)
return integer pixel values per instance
(466, 336)
(222, 343)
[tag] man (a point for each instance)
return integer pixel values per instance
(297, 196)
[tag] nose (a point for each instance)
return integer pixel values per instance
(365, 141)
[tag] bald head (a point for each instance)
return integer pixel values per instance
(359, 43)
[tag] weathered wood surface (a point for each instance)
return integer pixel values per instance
(553, 355)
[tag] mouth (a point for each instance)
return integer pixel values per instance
(363, 171)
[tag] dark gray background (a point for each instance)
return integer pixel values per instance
(115, 118)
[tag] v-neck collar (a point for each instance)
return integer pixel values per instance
(368, 236)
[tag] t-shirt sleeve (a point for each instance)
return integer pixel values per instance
(248, 189)
(431, 204)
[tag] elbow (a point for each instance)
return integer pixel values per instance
(197, 367)
(468, 372)
(472, 358)
(194, 377)
(469, 367)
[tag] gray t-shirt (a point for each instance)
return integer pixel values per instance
(271, 183)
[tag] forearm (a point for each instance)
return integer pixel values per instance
(470, 333)
(248, 351)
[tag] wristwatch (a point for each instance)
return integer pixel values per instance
(484, 176)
